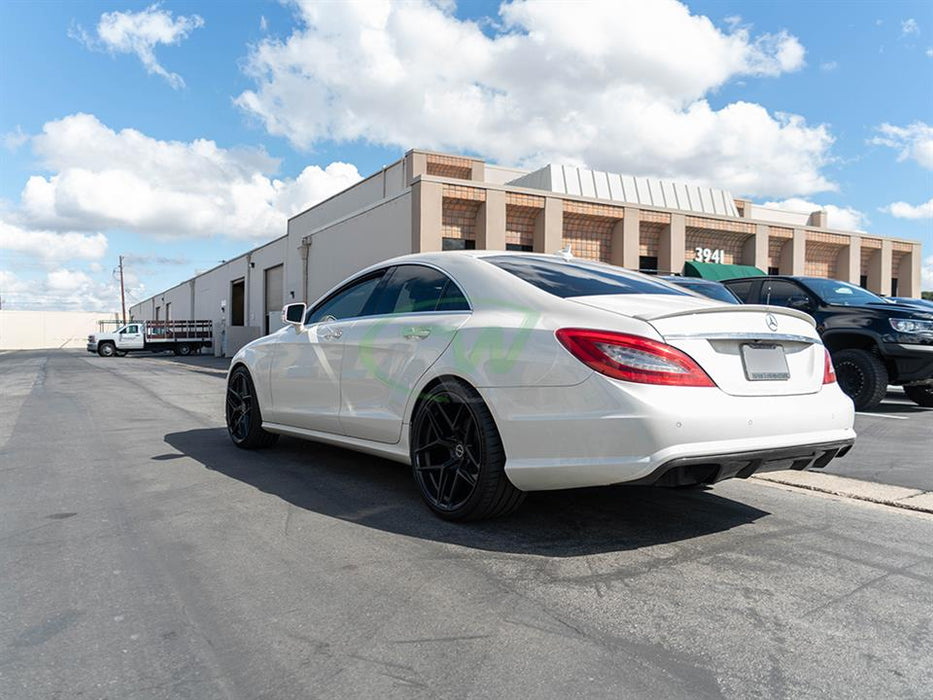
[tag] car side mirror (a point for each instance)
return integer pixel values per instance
(294, 315)
(800, 303)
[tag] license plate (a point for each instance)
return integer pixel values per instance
(764, 363)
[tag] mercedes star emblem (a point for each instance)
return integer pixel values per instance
(771, 321)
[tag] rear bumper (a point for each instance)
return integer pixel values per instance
(709, 469)
(603, 432)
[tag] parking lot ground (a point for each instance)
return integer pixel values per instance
(894, 445)
(142, 556)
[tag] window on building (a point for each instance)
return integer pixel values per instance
(774, 271)
(168, 311)
(238, 303)
(894, 286)
(648, 264)
(519, 247)
(158, 312)
(863, 281)
(457, 244)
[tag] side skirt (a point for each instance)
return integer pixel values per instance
(397, 452)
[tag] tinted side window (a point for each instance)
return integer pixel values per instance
(349, 302)
(743, 289)
(779, 292)
(415, 288)
(452, 299)
(579, 279)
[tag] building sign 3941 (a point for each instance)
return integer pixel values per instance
(709, 255)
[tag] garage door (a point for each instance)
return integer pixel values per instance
(274, 293)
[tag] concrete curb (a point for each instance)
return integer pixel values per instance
(896, 496)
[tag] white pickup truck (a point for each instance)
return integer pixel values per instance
(181, 337)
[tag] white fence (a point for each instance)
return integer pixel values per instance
(28, 330)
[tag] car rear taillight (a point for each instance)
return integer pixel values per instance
(829, 372)
(633, 358)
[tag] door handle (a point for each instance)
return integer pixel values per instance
(417, 333)
(332, 334)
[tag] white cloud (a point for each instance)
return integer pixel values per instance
(845, 218)
(913, 141)
(60, 289)
(926, 273)
(50, 247)
(910, 26)
(140, 33)
(903, 210)
(620, 86)
(103, 179)
(12, 140)
(929, 52)
(829, 66)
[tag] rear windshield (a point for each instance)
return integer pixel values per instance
(579, 278)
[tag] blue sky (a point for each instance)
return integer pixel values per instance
(184, 133)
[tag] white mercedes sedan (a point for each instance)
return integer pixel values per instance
(493, 374)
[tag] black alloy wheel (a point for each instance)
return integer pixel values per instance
(862, 376)
(244, 421)
(183, 350)
(457, 457)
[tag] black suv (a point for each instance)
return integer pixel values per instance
(873, 342)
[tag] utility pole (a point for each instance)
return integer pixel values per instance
(122, 292)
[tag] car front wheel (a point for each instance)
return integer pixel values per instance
(862, 376)
(106, 350)
(244, 421)
(920, 394)
(457, 457)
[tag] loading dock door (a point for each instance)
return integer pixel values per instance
(237, 303)
(274, 295)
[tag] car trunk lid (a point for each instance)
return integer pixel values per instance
(745, 349)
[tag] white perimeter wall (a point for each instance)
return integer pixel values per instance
(28, 330)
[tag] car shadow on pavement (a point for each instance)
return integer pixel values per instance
(380, 494)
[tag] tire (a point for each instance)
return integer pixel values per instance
(184, 350)
(920, 394)
(862, 376)
(457, 458)
(106, 350)
(121, 353)
(244, 419)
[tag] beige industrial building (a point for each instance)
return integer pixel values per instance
(432, 201)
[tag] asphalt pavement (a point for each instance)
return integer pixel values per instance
(894, 445)
(143, 556)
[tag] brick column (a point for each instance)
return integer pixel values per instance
(794, 254)
(879, 269)
(849, 262)
(426, 216)
(623, 250)
(549, 227)
(672, 245)
(908, 273)
(755, 248)
(490, 222)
